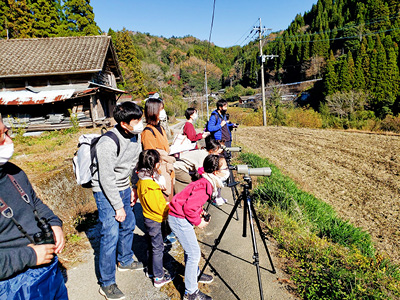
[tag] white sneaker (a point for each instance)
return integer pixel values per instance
(219, 201)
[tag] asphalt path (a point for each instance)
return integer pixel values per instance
(231, 263)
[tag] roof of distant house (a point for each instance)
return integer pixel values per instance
(54, 56)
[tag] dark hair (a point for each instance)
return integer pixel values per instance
(221, 103)
(212, 143)
(190, 111)
(152, 109)
(126, 112)
(211, 163)
(148, 160)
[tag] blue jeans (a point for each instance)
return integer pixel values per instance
(184, 231)
(156, 248)
(115, 237)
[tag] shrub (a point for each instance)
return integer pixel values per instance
(303, 117)
(391, 123)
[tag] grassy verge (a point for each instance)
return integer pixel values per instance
(327, 258)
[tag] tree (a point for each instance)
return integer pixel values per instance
(79, 18)
(130, 65)
(18, 19)
(330, 78)
(47, 18)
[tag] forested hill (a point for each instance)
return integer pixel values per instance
(352, 44)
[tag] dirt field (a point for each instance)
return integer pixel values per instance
(356, 173)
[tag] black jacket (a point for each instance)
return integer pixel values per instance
(15, 256)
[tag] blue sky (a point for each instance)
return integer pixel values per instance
(233, 19)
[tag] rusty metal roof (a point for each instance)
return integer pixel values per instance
(53, 56)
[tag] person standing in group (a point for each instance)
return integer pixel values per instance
(186, 211)
(155, 137)
(155, 211)
(30, 235)
(190, 161)
(218, 125)
(189, 130)
(114, 197)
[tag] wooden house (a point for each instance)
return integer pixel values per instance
(43, 80)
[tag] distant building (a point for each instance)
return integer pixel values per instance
(41, 79)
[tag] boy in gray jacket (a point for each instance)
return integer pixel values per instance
(114, 196)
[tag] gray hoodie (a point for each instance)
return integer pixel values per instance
(114, 172)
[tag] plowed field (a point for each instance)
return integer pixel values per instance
(356, 173)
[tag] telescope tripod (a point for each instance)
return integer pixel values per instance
(248, 208)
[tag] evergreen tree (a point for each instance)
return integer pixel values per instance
(130, 65)
(18, 18)
(47, 18)
(79, 18)
(351, 68)
(330, 77)
(344, 76)
(359, 79)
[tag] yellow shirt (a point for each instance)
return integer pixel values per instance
(152, 200)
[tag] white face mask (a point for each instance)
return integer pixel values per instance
(194, 117)
(138, 128)
(6, 151)
(226, 175)
(162, 115)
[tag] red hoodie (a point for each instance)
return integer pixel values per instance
(189, 203)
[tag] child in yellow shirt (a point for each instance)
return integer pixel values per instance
(155, 211)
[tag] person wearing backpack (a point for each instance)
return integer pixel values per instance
(114, 197)
(218, 125)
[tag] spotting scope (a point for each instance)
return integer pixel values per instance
(244, 169)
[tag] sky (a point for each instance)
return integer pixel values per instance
(233, 19)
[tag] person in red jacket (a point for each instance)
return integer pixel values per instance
(189, 130)
(186, 211)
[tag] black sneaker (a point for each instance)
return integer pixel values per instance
(205, 278)
(197, 295)
(111, 292)
(159, 282)
(136, 265)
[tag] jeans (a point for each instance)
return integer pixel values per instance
(156, 248)
(116, 238)
(184, 231)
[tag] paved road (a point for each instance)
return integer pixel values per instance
(235, 276)
(233, 260)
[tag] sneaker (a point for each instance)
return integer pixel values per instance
(136, 265)
(197, 295)
(205, 278)
(147, 274)
(170, 239)
(159, 282)
(111, 292)
(219, 201)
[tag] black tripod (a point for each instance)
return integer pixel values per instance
(247, 208)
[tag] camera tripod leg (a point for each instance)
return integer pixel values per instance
(262, 235)
(218, 239)
(256, 257)
(245, 209)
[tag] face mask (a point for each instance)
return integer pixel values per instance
(6, 151)
(162, 115)
(226, 175)
(194, 117)
(137, 129)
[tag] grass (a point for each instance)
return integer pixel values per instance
(328, 258)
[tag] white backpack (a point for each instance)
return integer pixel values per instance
(84, 160)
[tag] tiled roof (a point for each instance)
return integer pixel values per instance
(45, 56)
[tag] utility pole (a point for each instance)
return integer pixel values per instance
(205, 79)
(261, 31)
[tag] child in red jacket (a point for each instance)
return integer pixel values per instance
(186, 211)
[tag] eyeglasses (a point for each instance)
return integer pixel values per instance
(224, 169)
(6, 131)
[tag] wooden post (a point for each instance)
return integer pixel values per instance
(93, 109)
